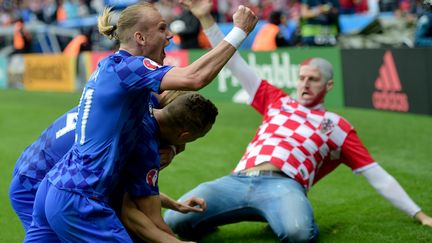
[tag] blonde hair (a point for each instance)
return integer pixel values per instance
(129, 17)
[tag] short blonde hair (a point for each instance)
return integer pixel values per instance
(129, 17)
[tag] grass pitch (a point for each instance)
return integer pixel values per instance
(347, 209)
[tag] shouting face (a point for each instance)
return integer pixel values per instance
(311, 86)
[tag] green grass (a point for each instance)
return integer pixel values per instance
(346, 207)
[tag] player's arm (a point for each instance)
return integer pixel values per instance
(204, 70)
(390, 189)
(240, 69)
(141, 225)
(192, 204)
(151, 206)
(386, 185)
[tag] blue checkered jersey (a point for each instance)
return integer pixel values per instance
(141, 173)
(39, 157)
(112, 107)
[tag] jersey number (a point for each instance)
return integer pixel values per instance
(87, 99)
(71, 119)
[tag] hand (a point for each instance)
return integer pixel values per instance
(424, 219)
(190, 205)
(245, 19)
(199, 8)
(325, 8)
(167, 154)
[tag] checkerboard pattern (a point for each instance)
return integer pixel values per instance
(294, 138)
(120, 101)
(35, 162)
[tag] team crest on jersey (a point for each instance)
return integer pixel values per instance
(152, 177)
(150, 64)
(326, 125)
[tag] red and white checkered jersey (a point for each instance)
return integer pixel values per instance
(300, 140)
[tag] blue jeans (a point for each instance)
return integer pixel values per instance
(278, 200)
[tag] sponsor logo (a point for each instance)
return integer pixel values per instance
(152, 177)
(150, 64)
(326, 125)
(280, 71)
(388, 94)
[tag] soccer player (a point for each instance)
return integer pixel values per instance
(297, 144)
(58, 138)
(71, 202)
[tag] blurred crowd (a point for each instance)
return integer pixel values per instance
(47, 11)
(288, 22)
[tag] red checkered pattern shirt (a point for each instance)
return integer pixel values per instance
(306, 144)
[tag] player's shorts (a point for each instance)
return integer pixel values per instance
(22, 199)
(73, 218)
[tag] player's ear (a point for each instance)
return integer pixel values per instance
(139, 38)
(329, 85)
(184, 135)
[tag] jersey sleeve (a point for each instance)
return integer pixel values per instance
(142, 179)
(137, 72)
(142, 169)
(354, 154)
(265, 96)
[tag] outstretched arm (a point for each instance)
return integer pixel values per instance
(389, 188)
(240, 69)
(204, 70)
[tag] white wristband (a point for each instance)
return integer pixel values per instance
(236, 37)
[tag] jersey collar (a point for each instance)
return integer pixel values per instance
(123, 53)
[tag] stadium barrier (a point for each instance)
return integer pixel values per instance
(54, 72)
(60, 73)
(383, 79)
(279, 68)
(388, 79)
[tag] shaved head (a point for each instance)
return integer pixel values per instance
(323, 65)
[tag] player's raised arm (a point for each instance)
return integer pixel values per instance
(237, 65)
(204, 70)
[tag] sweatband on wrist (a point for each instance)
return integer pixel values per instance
(235, 37)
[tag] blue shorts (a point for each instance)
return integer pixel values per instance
(22, 200)
(65, 216)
